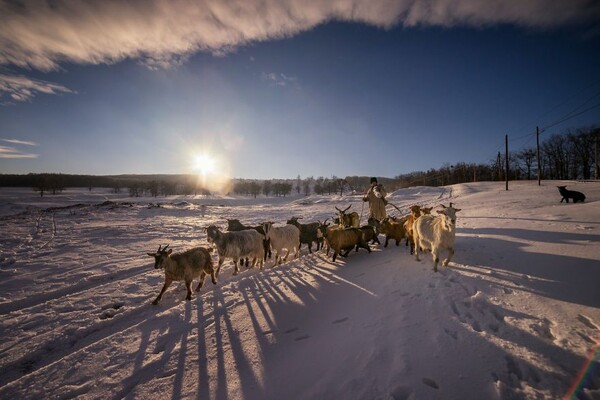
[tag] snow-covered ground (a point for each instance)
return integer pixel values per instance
(516, 315)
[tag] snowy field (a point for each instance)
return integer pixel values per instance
(515, 316)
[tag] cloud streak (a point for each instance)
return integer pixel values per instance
(280, 80)
(43, 34)
(22, 88)
(17, 141)
(11, 152)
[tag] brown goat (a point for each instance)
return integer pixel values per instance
(415, 212)
(393, 228)
(185, 266)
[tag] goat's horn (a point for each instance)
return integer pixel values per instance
(347, 208)
(450, 204)
(165, 248)
(338, 209)
(158, 251)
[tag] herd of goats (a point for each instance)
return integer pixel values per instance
(421, 229)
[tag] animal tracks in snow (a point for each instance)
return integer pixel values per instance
(587, 321)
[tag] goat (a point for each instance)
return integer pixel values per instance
(234, 225)
(237, 245)
(186, 266)
(393, 228)
(415, 212)
(348, 220)
(369, 235)
(339, 239)
(324, 229)
(570, 194)
(436, 233)
(285, 237)
(309, 233)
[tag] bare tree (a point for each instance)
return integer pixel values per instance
(254, 188)
(525, 159)
(267, 187)
(41, 184)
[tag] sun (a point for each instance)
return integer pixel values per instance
(204, 164)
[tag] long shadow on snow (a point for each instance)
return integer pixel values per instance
(560, 277)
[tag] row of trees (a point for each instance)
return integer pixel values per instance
(136, 185)
(567, 155)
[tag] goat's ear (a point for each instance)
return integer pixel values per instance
(151, 254)
(457, 209)
(169, 252)
(440, 211)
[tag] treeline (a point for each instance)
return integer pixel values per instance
(134, 185)
(569, 155)
(308, 186)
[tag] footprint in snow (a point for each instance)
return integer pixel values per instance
(431, 383)
(401, 393)
(587, 321)
(299, 338)
(586, 338)
(542, 328)
(513, 367)
(270, 331)
(339, 321)
(290, 330)
(451, 333)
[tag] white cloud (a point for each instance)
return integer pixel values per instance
(11, 152)
(43, 34)
(278, 79)
(17, 141)
(22, 88)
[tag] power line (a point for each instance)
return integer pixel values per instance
(568, 117)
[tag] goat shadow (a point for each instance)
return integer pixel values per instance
(566, 278)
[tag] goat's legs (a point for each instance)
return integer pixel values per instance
(202, 276)
(436, 258)
(164, 288)
(450, 255)
(188, 286)
(221, 261)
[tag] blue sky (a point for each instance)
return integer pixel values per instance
(288, 88)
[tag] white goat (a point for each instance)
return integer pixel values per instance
(186, 266)
(285, 237)
(237, 245)
(435, 233)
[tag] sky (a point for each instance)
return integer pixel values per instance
(275, 89)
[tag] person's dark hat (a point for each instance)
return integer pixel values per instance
(373, 180)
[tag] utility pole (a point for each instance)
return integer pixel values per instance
(499, 166)
(539, 168)
(506, 158)
(596, 169)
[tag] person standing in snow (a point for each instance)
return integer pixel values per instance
(376, 197)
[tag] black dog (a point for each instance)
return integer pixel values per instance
(570, 194)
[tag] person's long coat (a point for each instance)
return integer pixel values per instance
(376, 204)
